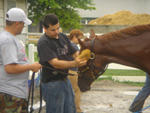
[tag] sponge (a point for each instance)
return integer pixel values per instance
(86, 53)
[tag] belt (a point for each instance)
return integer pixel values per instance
(63, 79)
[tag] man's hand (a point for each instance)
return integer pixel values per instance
(36, 66)
(80, 62)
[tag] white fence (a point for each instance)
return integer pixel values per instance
(31, 50)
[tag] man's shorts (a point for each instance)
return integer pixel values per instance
(12, 104)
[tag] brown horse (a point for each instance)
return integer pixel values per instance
(129, 46)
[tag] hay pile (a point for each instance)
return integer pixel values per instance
(33, 37)
(122, 18)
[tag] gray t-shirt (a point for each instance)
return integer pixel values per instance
(12, 52)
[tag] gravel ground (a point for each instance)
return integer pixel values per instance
(106, 97)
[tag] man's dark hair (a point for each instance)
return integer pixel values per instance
(50, 19)
(9, 23)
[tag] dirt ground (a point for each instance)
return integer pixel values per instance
(106, 97)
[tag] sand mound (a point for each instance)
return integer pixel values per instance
(122, 18)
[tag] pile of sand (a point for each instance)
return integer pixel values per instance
(122, 18)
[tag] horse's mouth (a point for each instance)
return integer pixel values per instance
(84, 84)
(84, 88)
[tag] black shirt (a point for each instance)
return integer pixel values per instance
(50, 48)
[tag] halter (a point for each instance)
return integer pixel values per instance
(92, 65)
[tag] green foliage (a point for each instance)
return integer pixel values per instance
(66, 10)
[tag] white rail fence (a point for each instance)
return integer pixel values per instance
(31, 50)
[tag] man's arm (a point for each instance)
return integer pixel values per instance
(17, 68)
(62, 64)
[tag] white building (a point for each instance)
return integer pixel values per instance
(5, 5)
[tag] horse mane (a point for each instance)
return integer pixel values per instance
(126, 32)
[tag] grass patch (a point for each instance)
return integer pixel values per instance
(119, 72)
(133, 83)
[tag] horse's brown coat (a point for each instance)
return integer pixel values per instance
(129, 46)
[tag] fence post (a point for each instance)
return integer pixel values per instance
(31, 53)
(88, 35)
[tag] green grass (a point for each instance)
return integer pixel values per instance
(119, 72)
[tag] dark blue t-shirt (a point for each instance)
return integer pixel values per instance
(50, 48)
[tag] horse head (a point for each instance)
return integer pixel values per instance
(128, 46)
(96, 65)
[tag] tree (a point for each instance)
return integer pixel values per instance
(66, 10)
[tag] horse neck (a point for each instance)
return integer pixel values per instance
(133, 51)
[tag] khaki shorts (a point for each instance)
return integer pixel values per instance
(12, 104)
(73, 72)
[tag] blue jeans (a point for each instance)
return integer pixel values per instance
(59, 97)
(139, 100)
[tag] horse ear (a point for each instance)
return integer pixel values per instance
(80, 42)
(86, 39)
(92, 34)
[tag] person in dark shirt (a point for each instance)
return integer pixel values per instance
(54, 50)
(73, 36)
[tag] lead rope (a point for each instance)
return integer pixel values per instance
(31, 90)
(59, 71)
(40, 92)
